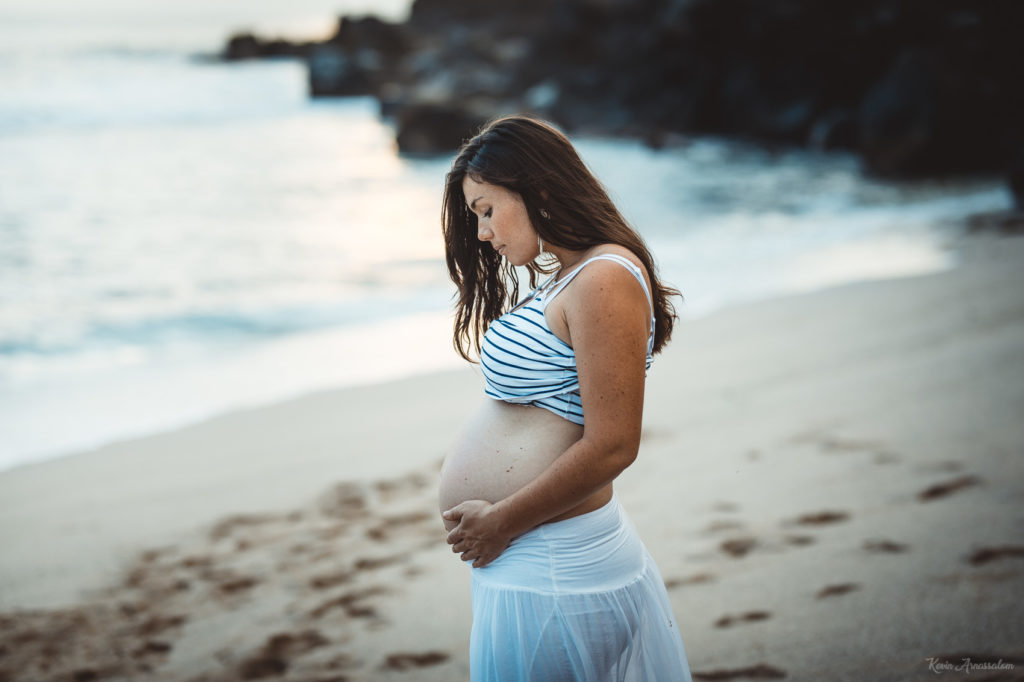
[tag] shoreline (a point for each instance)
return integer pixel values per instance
(854, 447)
(92, 398)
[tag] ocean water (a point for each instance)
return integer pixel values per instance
(181, 237)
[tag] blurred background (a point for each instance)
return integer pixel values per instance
(213, 204)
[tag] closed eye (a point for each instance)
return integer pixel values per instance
(487, 213)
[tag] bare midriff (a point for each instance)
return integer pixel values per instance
(502, 448)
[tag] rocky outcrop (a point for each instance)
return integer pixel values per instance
(915, 86)
(249, 46)
(362, 56)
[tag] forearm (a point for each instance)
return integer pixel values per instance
(579, 472)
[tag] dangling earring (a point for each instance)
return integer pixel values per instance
(544, 213)
(541, 245)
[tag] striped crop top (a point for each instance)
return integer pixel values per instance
(524, 362)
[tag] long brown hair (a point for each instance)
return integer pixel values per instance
(528, 156)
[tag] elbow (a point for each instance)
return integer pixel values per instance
(619, 453)
(621, 458)
(627, 453)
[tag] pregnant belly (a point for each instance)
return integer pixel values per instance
(501, 449)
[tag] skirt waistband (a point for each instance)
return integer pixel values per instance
(594, 551)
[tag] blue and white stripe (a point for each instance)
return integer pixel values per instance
(522, 360)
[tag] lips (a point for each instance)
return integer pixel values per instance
(500, 249)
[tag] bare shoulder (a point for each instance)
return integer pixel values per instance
(605, 277)
(603, 295)
(609, 286)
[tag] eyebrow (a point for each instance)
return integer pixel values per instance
(472, 204)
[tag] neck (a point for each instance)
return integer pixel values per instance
(566, 257)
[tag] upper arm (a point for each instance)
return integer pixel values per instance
(608, 317)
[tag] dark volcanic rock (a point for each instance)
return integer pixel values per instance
(243, 46)
(1015, 178)
(370, 33)
(835, 130)
(496, 17)
(432, 128)
(333, 71)
(363, 54)
(248, 46)
(898, 115)
(916, 86)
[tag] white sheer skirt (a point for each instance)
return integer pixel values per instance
(580, 600)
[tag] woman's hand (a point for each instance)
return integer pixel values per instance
(480, 535)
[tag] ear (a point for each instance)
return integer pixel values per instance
(544, 194)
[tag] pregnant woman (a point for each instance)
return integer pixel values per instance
(562, 586)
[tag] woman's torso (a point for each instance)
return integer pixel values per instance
(505, 446)
(501, 449)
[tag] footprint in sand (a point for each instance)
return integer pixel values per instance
(224, 581)
(324, 582)
(985, 555)
(372, 563)
(695, 579)
(748, 617)
(407, 661)
(351, 603)
(884, 547)
(940, 490)
(158, 624)
(822, 518)
(239, 584)
(196, 561)
(738, 547)
(741, 546)
(761, 671)
(276, 654)
(836, 590)
(151, 647)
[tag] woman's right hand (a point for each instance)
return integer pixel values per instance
(480, 533)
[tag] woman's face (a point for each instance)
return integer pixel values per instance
(502, 220)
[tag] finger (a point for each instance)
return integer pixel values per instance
(485, 560)
(453, 536)
(454, 513)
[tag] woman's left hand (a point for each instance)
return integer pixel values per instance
(479, 535)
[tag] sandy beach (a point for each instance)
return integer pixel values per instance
(832, 485)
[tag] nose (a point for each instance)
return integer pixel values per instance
(484, 233)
